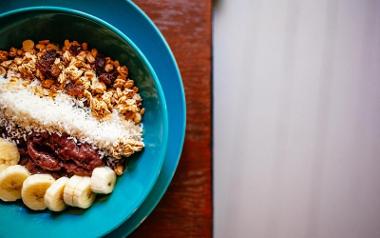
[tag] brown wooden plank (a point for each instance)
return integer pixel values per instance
(186, 209)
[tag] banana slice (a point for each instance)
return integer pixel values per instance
(103, 180)
(9, 154)
(54, 195)
(78, 192)
(83, 195)
(34, 189)
(68, 192)
(11, 181)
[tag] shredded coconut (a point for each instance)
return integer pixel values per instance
(64, 114)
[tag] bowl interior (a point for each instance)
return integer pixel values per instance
(143, 168)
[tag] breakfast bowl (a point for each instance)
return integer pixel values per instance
(142, 169)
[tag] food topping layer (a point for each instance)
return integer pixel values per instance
(102, 83)
(22, 112)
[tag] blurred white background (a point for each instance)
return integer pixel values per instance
(297, 118)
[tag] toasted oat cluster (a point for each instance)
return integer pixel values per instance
(99, 82)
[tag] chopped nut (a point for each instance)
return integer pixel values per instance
(107, 98)
(55, 70)
(40, 75)
(13, 66)
(75, 90)
(122, 99)
(119, 93)
(29, 56)
(81, 56)
(89, 74)
(108, 68)
(119, 83)
(129, 83)
(90, 58)
(137, 118)
(67, 57)
(137, 97)
(27, 45)
(85, 82)
(133, 108)
(129, 102)
(47, 83)
(119, 169)
(122, 70)
(87, 94)
(122, 76)
(18, 60)
(73, 72)
(98, 87)
(100, 108)
(27, 69)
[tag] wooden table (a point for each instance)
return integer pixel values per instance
(186, 208)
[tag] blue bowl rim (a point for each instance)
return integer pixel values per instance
(147, 64)
(183, 102)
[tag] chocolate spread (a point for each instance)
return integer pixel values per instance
(58, 155)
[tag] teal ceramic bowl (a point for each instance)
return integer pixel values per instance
(58, 24)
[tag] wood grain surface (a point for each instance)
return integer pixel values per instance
(186, 209)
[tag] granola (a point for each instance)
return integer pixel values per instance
(101, 82)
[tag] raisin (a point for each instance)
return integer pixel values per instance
(75, 90)
(45, 63)
(99, 65)
(108, 78)
(75, 49)
(55, 70)
(47, 83)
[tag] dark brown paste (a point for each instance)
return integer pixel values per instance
(58, 155)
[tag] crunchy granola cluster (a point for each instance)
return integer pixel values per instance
(100, 82)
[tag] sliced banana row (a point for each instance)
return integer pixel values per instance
(41, 191)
